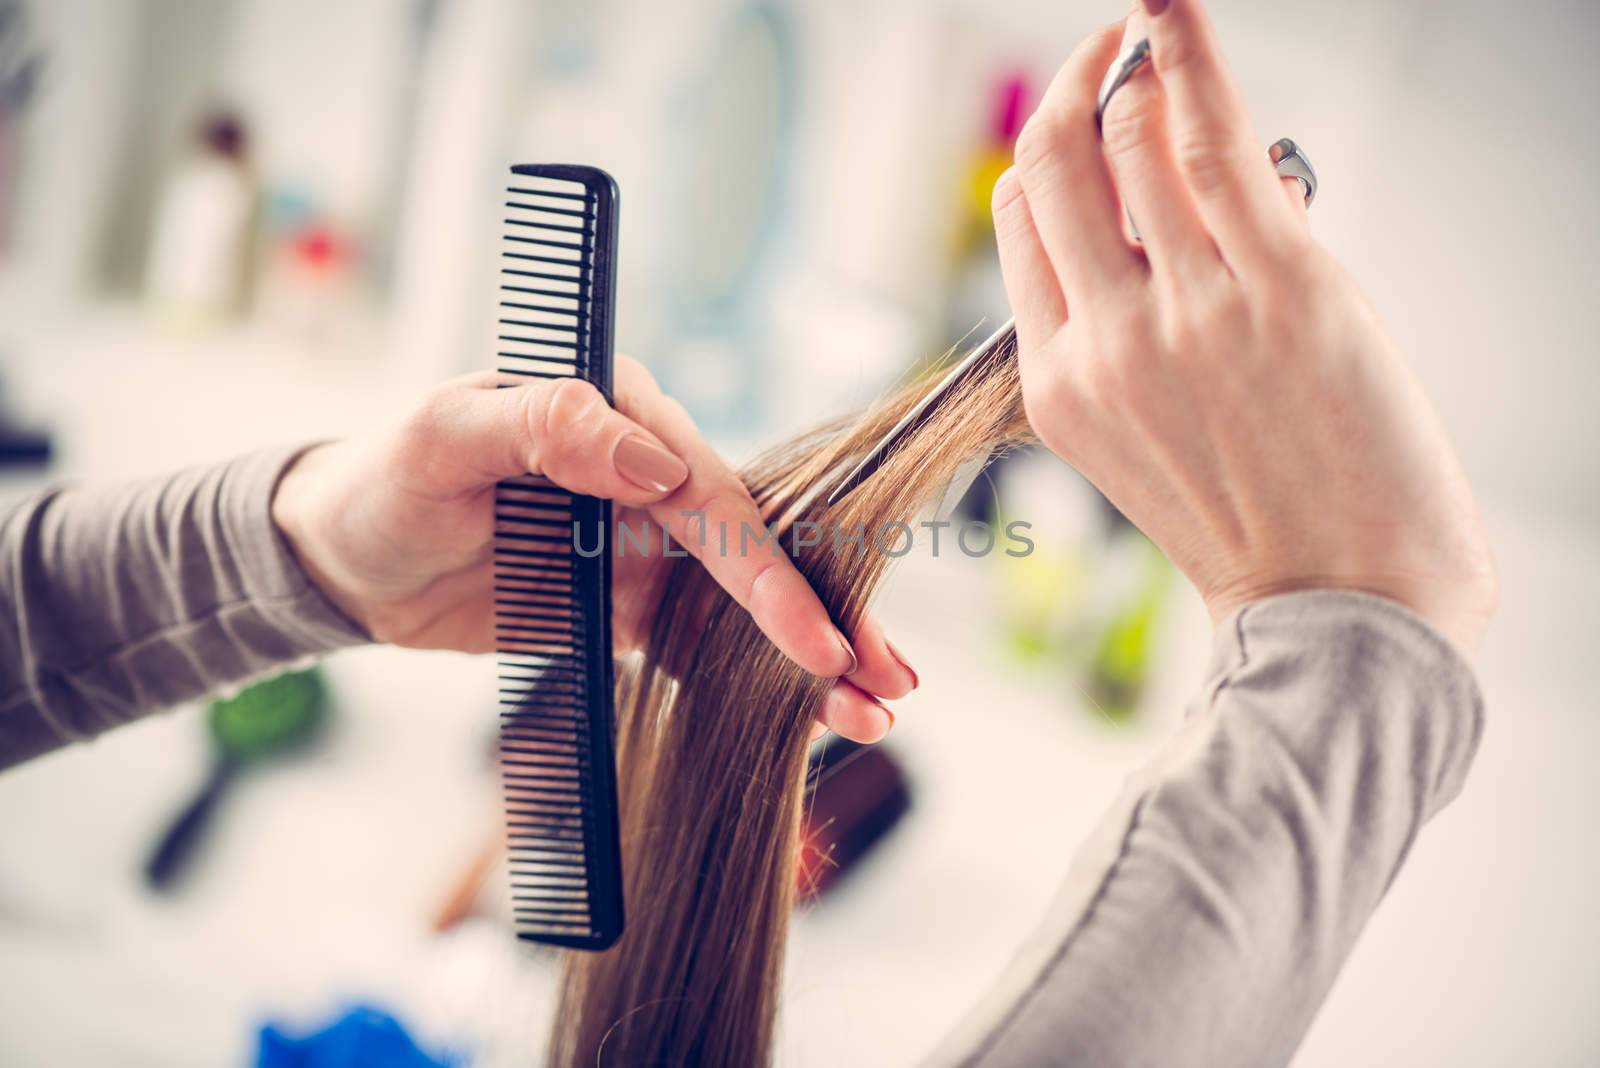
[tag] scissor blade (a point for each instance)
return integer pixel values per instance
(920, 414)
(959, 484)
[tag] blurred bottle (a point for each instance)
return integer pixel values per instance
(310, 289)
(1126, 651)
(1045, 594)
(977, 293)
(20, 67)
(200, 246)
(977, 301)
(1087, 597)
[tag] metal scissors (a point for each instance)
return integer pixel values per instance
(1285, 155)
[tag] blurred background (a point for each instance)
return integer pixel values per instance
(236, 223)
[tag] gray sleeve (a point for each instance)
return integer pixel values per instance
(1206, 918)
(118, 602)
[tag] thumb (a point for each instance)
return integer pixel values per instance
(491, 427)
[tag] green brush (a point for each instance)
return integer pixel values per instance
(271, 719)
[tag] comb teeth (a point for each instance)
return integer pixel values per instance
(547, 285)
(552, 605)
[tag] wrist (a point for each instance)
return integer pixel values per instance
(301, 516)
(1460, 614)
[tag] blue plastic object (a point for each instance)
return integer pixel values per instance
(363, 1037)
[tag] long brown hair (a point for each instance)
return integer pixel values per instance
(713, 729)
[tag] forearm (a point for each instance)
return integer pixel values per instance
(1205, 922)
(118, 602)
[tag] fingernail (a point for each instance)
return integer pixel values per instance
(890, 717)
(851, 653)
(900, 658)
(1155, 7)
(647, 465)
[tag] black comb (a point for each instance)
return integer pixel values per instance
(552, 599)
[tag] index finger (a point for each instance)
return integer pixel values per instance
(1063, 175)
(713, 516)
(1216, 149)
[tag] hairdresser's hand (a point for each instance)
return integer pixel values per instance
(1227, 386)
(397, 529)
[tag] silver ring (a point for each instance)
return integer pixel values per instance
(1292, 163)
(1137, 55)
(1286, 156)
